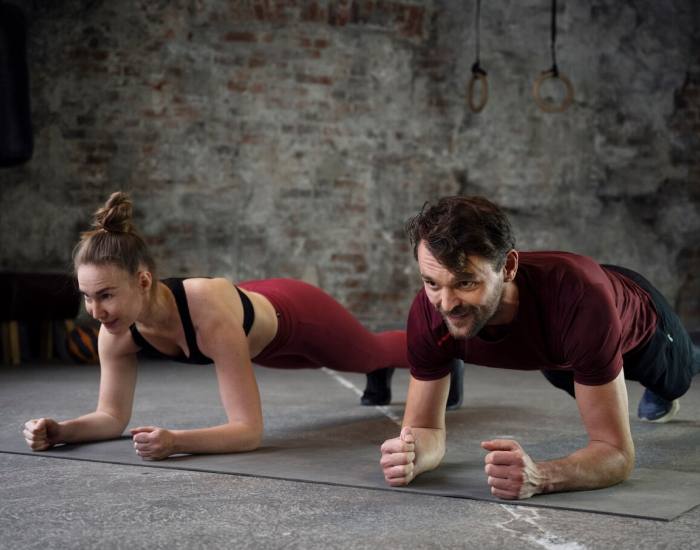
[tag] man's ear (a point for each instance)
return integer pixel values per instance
(511, 266)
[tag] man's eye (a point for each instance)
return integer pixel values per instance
(466, 284)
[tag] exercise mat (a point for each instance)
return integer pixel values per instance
(648, 494)
(316, 432)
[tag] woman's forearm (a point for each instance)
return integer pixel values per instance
(227, 438)
(95, 426)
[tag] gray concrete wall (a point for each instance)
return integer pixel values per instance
(269, 138)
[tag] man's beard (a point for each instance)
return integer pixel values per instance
(479, 316)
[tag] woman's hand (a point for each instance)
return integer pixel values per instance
(42, 434)
(153, 443)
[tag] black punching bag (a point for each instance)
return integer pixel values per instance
(16, 142)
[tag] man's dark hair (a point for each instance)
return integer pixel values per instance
(460, 226)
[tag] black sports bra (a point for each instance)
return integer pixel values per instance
(196, 356)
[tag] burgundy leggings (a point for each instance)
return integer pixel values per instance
(316, 331)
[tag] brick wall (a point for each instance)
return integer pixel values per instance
(270, 138)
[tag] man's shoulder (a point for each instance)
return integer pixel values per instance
(556, 269)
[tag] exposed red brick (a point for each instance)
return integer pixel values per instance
(150, 113)
(257, 88)
(79, 53)
(310, 79)
(235, 36)
(236, 86)
(414, 22)
(108, 148)
(187, 112)
(91, 68)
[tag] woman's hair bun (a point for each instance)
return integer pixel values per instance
(115, 215)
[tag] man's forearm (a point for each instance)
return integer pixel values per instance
(430, 449)
(597, 465)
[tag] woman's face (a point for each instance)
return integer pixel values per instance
(113, 296)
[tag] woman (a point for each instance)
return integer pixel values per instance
(279, 323)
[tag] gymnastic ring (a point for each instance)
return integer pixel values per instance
(546, 106)
(484, 95)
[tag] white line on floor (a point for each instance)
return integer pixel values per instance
(345, 382)
(541, 537)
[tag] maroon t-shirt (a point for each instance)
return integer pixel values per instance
(573, 315)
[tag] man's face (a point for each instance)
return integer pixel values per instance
(468, 300)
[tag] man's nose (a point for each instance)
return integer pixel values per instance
(448, 299)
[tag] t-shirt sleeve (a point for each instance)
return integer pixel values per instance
(428, 340)
(591, 338)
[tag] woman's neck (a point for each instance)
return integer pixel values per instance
(159, 312)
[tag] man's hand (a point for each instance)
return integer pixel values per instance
(512, 473)
(398, 456)
(153, 443)
(41, 434)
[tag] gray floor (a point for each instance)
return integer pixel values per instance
(56, 503)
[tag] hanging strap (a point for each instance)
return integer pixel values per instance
(476, 68)
(478, 74)
(554, 73)
(553, 44)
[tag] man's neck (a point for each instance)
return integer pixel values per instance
(507, 314)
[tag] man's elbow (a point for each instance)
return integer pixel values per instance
(625, 464)
(628, 463)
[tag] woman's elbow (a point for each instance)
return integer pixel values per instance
(253, 441)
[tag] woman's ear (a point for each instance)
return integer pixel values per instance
(145, 280)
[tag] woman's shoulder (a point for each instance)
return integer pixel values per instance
(199, 288)
(211, 298)
(116, 346)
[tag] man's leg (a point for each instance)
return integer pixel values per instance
(666, 364)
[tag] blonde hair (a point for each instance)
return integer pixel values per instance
(114, 240)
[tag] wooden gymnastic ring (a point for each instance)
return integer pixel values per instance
(484, 95)
(546, 106)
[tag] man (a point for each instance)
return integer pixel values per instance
(586, 326)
